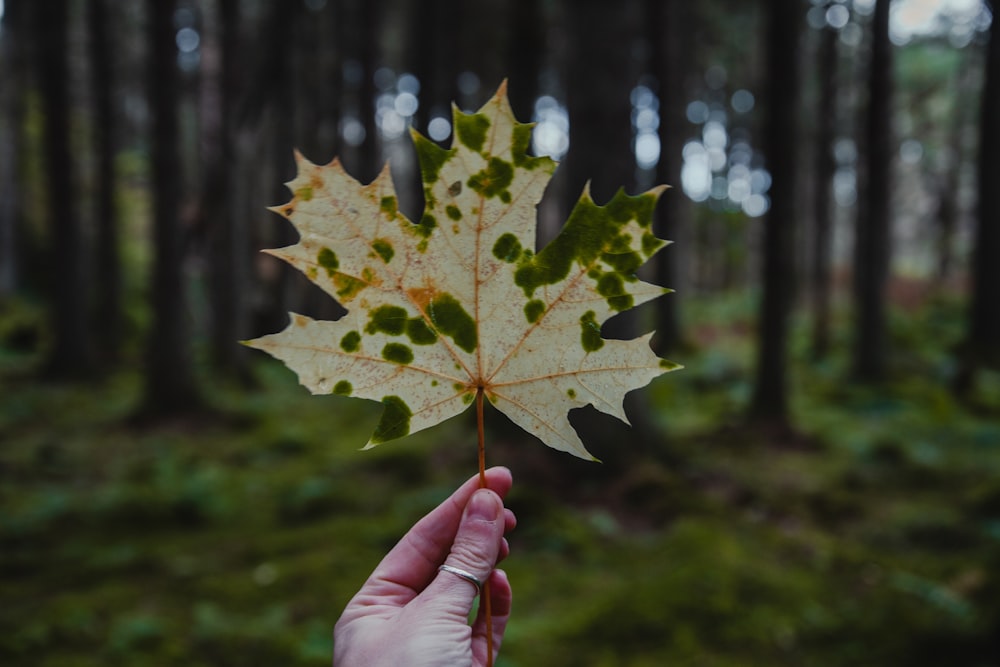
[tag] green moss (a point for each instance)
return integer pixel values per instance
(533, 310)
(343, 388)
(419, 333)
(431, 157)
(590, 332)
(387, 319)
(384, 249)
(328, 260)
(451, 319)
(350, 342)
(507, 248)
(453, 212)
(397, 353)
(394, 422)
(471, 130)
(494, 180)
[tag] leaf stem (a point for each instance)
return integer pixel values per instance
(485, 597)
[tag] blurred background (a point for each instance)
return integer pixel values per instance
(819, 486)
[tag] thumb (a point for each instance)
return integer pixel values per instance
(474, 551)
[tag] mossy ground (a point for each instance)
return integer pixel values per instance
(869, 536)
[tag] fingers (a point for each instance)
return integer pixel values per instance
(477, 547)
(412, 564)
(500, 602)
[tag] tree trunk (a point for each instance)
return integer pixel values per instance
(12, 85)
(170, 384)
(227, 240)
(826, 166)
(872, 235)
(108, 297)
(525, 39)
(667, 23)
(70, 353)
(770, 398)
(984, 315)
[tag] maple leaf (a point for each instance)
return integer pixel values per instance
(458, 302)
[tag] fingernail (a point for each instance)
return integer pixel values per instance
(484, 505)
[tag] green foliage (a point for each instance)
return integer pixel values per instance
(872, 537)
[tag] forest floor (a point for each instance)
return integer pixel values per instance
(869, 537)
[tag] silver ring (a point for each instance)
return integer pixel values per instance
(459, 572)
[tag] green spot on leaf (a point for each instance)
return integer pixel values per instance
(453, 212)
(384, 249)
(350, 342)
(571, 393)
(669, 365)
(305, 193)
(471, 130)
(590, 232)
(650, 243)
(427, 224)
(395, 420)
(328, 260)
(590, 332)
(387, 319)
(343, 388)
(348, 286)
(451, 319)
(431, 157)
(612, 287)
(419, 333)
(533, 310)
(397, 353)
(507, 248)
(389, 207)
(494, 180)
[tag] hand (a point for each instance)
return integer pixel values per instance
(409, 612)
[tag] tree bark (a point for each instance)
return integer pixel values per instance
(770, 398)
(984, 315)
(227, 240)
(108, 297)
(667, 22)
(170, 387)
(826, 166)
(872, 235)
(525, 39)
(68, 287)
(12, 85)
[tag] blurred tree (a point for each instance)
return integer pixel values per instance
(525, 42)
(108, 293)
(170, 386)
(667, 24)
(13, 31)
(221, 86)
(983, 338)
(435, 58)
(872, 231)
(770, 398)
(826, 166)
(600, 80)
(69, 356)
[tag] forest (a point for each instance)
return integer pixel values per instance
(819, 485)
